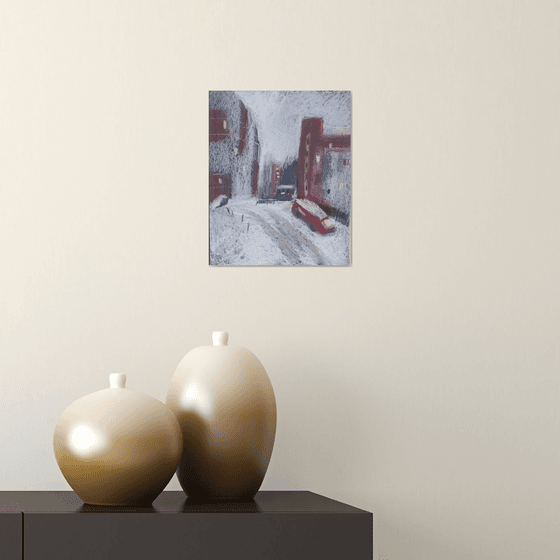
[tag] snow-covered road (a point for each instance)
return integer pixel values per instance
(246, 233)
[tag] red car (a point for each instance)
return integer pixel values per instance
(313, 215)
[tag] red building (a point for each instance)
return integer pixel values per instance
(233, 147)
(314, 182)
(255, 188)
(275, 176)
(219, 184)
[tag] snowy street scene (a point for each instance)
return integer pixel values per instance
(280, 178)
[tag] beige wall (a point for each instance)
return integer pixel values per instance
(422, 382)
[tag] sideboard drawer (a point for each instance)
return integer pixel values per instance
(11, 534)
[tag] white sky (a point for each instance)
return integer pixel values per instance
(279, 114)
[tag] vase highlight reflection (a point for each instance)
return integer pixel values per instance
(225, 405)
(117, 447)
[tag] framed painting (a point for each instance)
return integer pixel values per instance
(280, 178)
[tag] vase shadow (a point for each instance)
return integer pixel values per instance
(192, 505)
(89, 508)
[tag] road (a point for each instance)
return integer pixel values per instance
(243, 232)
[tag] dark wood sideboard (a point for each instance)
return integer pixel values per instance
(276, 525)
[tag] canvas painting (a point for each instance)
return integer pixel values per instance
(280, 178)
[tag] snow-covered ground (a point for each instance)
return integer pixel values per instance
(246, 233)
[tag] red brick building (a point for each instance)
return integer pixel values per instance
(275, 176)
(323, 172)
(233, 147)
(219, 184)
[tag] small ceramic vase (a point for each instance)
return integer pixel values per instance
(117, 447)
(225, 404)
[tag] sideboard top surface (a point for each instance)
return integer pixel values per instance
(266, 502)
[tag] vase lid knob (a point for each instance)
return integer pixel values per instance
(220, 338)
(117, 380)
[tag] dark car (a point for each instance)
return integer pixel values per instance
(284, 192)
(312, 215)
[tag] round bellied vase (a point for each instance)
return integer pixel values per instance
(118, 447)
(225, 405)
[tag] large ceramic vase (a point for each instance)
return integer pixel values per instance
(225, 404)
(118, 447)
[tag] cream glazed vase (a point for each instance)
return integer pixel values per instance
(225, 404)
(117, 447)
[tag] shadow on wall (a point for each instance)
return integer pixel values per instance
(325, 434)
(393, 541)
(342, 448)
